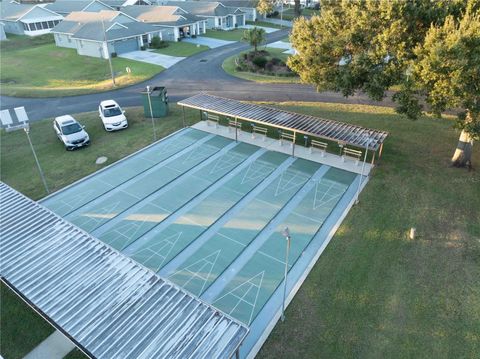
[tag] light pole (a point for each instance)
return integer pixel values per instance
(286, 234)
(363, 169)
(108, 54)
(27, 130)
(151, 114)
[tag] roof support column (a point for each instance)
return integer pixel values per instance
(236, 130)
(183, 110)
(293, 143)
(381, 150)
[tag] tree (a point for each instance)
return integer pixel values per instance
(448, 69)
(265, 7)
(254, 36)
(296, 8)
(370, 45)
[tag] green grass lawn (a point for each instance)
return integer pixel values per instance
(21, 329)
(181, 49)
(37, 68)
(229, 67)
(373, 292)
(63, 167)
(264, 24)
(228, 35)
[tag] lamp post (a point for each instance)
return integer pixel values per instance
(286, 234)
(112, 73)
(151, 114)
(42, 176)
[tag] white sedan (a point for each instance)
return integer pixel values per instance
(113, 117)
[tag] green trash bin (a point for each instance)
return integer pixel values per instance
(155, 98)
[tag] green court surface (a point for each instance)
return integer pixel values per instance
(207, 213)
(156, 250)
(204, 266)
(66, 201)
(245, 295)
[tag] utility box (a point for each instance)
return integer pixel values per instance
(156, 99)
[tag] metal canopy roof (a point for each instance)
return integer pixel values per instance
(304, 124)
(106, 302)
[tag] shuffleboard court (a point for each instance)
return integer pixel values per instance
(72, 198)
(126, 229)
(94, 214)
(207, 213)
(249, 290)
(158, 248)
(199, 271)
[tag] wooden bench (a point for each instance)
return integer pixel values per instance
(213, 118)
(259, 130)
(288, 137)
(355, 154)
(234, 124)
(322, 146)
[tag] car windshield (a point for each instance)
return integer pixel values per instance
(73, 128)
(113, 111)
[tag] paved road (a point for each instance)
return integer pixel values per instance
(201, 72)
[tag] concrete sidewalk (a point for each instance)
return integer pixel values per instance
(56, 346)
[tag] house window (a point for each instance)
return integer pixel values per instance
(25, 26)
(69, 39)
(220, 22)
(45, 25)
(50, 24)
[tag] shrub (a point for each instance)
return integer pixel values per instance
(260, 61)
(194, 36)
(143, 48)
(276, 61)
(113, 54)
(269, 66)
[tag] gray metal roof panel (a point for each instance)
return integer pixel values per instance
(108, 303)
(332, 130)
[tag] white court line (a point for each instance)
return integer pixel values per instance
(231, 239)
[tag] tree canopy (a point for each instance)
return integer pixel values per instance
(429, 50)
(265, 6)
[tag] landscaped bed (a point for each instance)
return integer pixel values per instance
(374, 292)
(273, 70)
(35, 67)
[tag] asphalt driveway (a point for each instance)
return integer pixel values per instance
(152, 58)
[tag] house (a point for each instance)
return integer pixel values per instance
(27, 19)
(249, 7)
(99, 34)
(218, 16)
(176, 21)
(65, 7)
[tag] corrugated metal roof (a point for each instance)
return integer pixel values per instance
(304, 124)
(109, 304)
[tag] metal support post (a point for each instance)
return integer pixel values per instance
(151, 114)
(286, 234)
(363, 169)
(183, 110)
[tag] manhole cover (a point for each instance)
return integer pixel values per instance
(101, 160)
